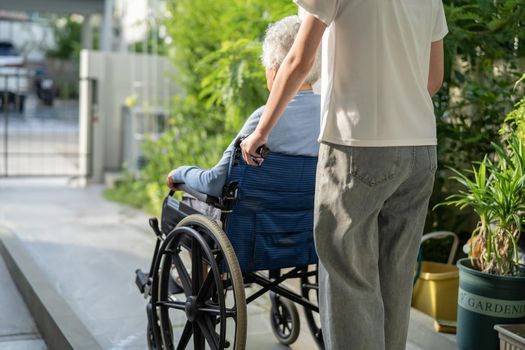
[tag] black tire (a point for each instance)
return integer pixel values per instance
(284, 319)
(207, 304)
(151, 338)
(310, 291)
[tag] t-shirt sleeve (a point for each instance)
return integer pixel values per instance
(324, 10)
(440, 24)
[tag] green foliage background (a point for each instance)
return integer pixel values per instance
(67, 32)
(216, 48)
(484, 56)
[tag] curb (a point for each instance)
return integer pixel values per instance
(58, 324)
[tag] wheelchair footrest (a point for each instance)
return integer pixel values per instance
(143, 281)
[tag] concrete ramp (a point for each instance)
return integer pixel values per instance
(73, 256)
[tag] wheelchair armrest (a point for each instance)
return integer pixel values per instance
(200, 196)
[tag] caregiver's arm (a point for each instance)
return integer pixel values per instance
(436, 71)
(290, 76)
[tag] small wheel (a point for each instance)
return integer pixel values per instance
(310, 291)
(284, 319)
(199, 252)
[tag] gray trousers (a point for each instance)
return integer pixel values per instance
(370, 209)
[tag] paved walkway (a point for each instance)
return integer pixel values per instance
(89, 249)
(17, 329)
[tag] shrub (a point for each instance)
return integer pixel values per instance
(483, 53)
(216, 48)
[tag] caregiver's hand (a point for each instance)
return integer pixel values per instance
(249, 148)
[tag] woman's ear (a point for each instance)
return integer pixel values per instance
(270, 77)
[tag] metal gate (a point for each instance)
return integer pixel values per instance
(39, 128)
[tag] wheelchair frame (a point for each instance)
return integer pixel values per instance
(284, 317)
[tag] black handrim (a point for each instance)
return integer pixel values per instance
(205, 304)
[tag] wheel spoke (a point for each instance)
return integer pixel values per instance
(183, 274)
(198, 337)
(196, 266)
(216, 310)
(185, 336)
(206, 290)
(209, 332)
(179, 305)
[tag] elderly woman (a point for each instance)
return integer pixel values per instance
(295, 134)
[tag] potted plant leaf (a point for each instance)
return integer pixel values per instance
(492, 279)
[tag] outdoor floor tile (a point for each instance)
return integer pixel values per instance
(33, 344)
(15, 317)
(89, 248)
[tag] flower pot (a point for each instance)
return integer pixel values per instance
(485, 300)
(436, 291)
(511, 337)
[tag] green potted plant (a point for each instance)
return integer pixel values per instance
(492, 279)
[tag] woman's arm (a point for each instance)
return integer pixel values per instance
(290, 76)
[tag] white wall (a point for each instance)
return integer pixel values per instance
(119, 76)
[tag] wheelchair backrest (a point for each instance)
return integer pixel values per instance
(271, 224)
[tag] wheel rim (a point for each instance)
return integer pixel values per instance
(204, 305)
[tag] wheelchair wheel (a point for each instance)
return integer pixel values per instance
(151, 338)
(213, 304)
(284, 319)
(310, 291)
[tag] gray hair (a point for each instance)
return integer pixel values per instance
(278, 41)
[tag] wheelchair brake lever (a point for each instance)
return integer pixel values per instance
(154, 224)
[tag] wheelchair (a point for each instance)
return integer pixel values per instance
(264, 239)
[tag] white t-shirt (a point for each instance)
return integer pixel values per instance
(376, 56)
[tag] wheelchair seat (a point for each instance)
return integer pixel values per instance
(271, 223)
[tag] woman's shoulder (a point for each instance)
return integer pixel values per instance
(305, 103)
(251, 122)
(258, 112)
